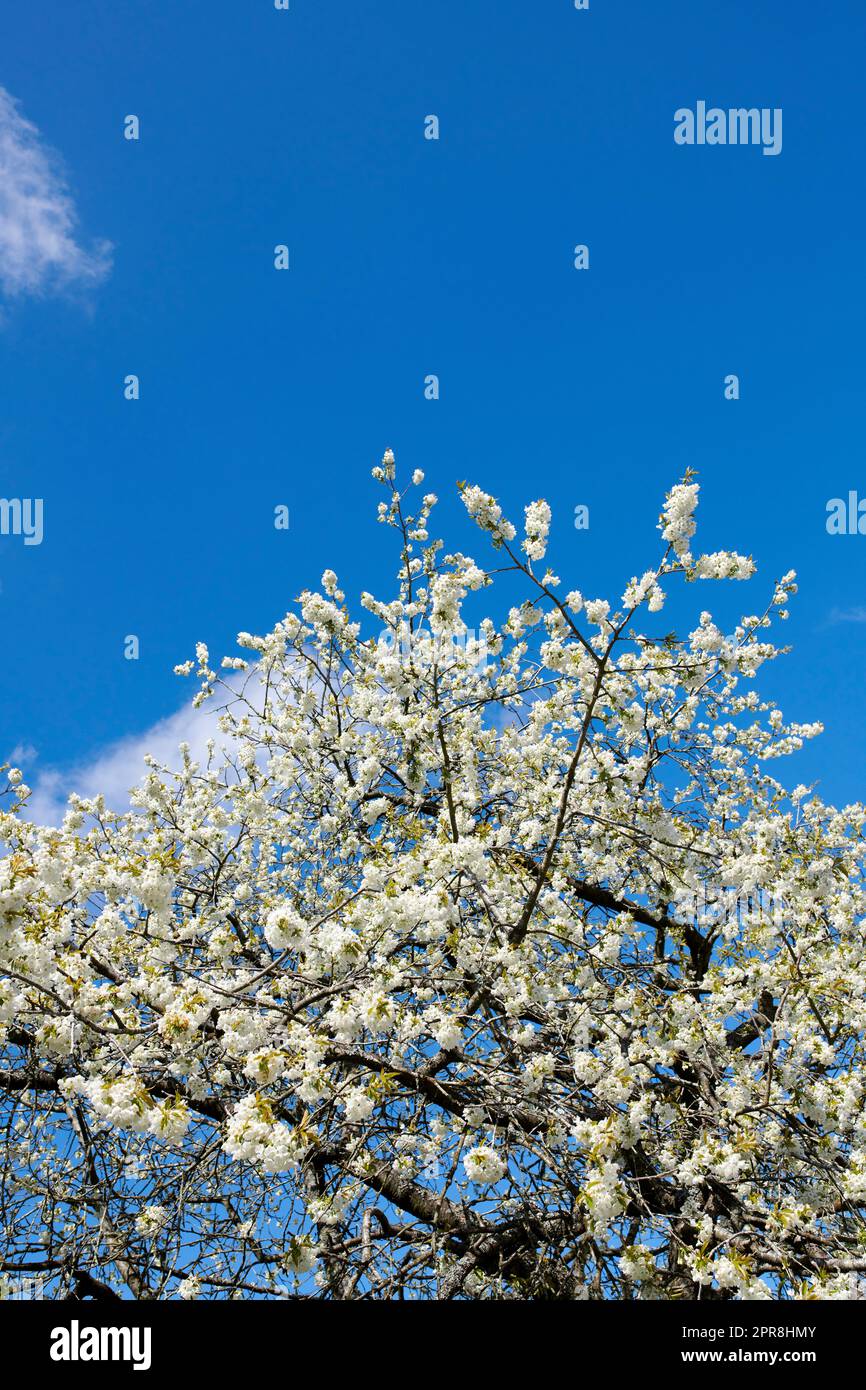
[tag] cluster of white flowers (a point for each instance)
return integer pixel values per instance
(724, 564)
(485, 510)
(385, 471)
(301, 1256)
(151, 1220)
(537, 529)
(266, 1065)
(484, 1165)
(644, 590)
(638, 1263)
(596, 610)
(604, 1194)
(284, 928)
(124, 1102)
(255, 1136)
(446, 1028)
(676, 522)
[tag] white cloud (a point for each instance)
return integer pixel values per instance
(21, 753)
(119, 767)
(847, 615)
(115, 770)
(39, 250)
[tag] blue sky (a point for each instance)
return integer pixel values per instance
(411, 257)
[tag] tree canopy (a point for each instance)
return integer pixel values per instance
(479, 962)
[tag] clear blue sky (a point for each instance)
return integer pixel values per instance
(412, 257)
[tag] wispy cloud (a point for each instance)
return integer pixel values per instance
(40, 251)
(847, 615)
(115, 770)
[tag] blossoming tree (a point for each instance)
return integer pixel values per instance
(493, 969)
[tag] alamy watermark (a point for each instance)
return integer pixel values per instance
(738, 125)
(77, 1343)
(424, 649)
(846, 516)
(24, 1288)
(22, 516)
(729, 911)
